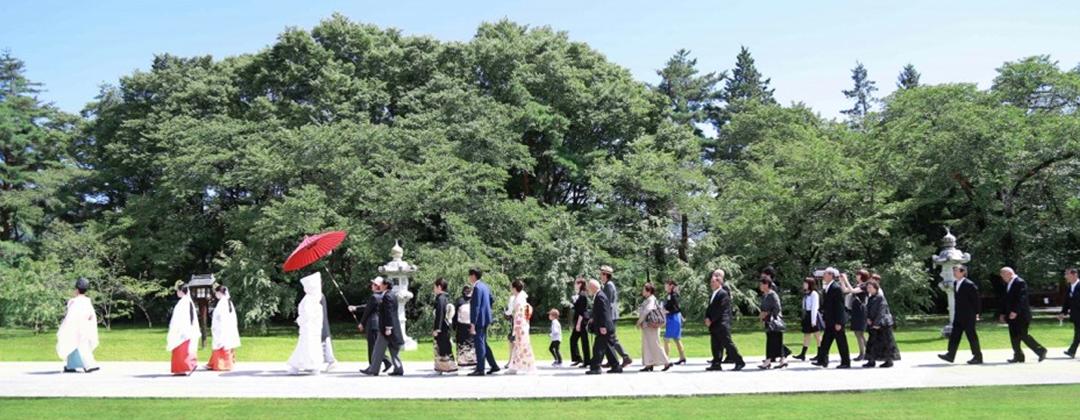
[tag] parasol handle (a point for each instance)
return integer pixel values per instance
(336, 285)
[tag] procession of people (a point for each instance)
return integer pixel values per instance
(464, 323)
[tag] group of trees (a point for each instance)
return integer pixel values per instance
(526, 154)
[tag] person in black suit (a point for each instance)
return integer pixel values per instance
(718, 320)
(965, 317)
(603, 326)
(390, 335)
(369, 322)
(834, 315)
(1071, 308)
(579, 326)
(1016, 311)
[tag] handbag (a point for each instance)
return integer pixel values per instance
(775, 324)
(655, 318)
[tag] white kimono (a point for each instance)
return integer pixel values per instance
(308, 354)
(78, 331)
(224, 326)
(184, 326)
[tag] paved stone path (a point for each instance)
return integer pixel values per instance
(270, 379)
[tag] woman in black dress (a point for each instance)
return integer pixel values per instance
(881, 346)
(444, 315)
(579, 333)
(857, 307)
(772, 316)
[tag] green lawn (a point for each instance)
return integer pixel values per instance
(995, 402)
(143, 344)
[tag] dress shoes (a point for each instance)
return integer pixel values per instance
(945, 357)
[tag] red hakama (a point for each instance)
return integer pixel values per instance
(222, 359)
(183, 362)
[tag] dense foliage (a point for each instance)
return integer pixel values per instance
(527, 154)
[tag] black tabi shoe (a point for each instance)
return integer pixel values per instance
(714, 368)
(69, 370)
(593, 372)
(666, 367)
(1042, 355)
(976, 361)
(844, 366)
(945, 357)
(887, 364)
(646, 369)
(739, 365)
(476, 373)
(93, 369)
(869, 364)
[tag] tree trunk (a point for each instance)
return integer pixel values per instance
(684, 238)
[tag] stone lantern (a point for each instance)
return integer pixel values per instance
(398, 273)
(948, 258)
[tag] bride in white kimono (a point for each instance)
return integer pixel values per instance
(184, 334)
(308, 354)
(78, 335)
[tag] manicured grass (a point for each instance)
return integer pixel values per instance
(996, 402)
(131, 343)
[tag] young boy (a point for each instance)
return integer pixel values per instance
(556, 336)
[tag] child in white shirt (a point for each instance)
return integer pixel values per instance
(556, 336)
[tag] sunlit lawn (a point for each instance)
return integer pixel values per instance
(132, 343)
(995, 402)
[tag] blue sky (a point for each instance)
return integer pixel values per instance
(807, 49)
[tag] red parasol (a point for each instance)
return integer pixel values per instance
(312, 248)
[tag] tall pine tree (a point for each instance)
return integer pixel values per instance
(863, 94)
(34, 160)
(909, 77)
(689, 94)
(745, 88)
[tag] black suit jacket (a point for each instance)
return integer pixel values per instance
(581, 310)
(967, 303)
(719, 311)
(388, 317)
(601, 315)
(832, 308)
(1071, 307)
(1016, 300)
(370, 317)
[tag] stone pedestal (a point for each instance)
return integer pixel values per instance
(948, 258)
(398, 273)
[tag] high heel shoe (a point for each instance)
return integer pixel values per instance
(646, 369)
(666, 367)
(764, 366)
(681, 362)
(781, 366)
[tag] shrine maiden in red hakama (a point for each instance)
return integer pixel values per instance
(225, 331)
(184, 334)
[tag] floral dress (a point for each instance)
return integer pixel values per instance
(522, 359)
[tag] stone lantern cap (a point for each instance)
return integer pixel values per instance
(396, 264)
(949, 253)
